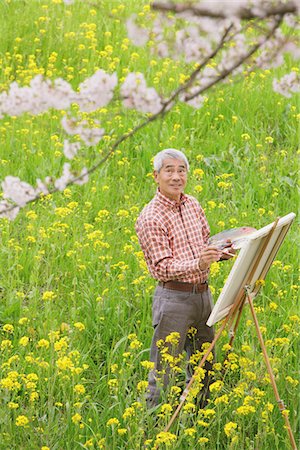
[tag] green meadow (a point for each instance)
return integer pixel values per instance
(75, 309)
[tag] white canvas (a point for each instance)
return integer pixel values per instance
(243, 273)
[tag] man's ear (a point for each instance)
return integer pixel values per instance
(155, 176)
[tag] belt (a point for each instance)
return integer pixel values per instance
(185, 287)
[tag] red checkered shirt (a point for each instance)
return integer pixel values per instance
(172, 235)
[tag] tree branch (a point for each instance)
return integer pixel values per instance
(243, 13)
(167, 103)
(150, 119)
(240, 62)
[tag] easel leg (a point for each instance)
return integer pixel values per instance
(270, 371)
(232, 332)
(232, 336)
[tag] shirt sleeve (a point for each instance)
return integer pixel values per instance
(162, 265)
(205, 226)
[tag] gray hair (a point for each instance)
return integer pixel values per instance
(169, 153)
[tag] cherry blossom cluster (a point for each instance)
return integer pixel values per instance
(192, 41)
(96, 91)
(137, 95)
(288, 85)
(194, 30)
(272, 52)
(42, 95)
(90, 136)
(36, 98)
(93, 93)
(17, 193)
(138, 35)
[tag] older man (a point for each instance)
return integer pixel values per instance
(173, 233)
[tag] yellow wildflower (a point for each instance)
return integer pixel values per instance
(43, 343)
(230, 428)
(244, 410)
(208, 412)
(173, 338)
(80, 326)
(6, 343)
(273, 306)
(269, 140)
(122, 431)
(135, 344)
(202, 423)
(48, 295)
(165, 437)
(24, 341)
(189, 407)
(113, 421)
(33, 396)
(216, 386)
(8, 328)
(166, 408)
(198, 173)
(22, 421)
(61, 345)
(79, 389)
(190, 432)
(129, 412)
(292, 381)
(149, 365)
(223, 399)
(13, 405)
(76, 418)
(23, 320)
(142, 385)
(64, 363)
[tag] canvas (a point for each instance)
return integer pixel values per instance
(251, 265)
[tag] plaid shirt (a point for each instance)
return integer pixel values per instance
(172, 235)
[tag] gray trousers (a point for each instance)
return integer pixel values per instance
(177, 311)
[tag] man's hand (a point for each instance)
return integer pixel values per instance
(227, 251)
(207, 256)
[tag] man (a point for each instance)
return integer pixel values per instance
(173, 233)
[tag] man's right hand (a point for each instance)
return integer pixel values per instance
(207, 256)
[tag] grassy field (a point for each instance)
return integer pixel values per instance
(75, 310)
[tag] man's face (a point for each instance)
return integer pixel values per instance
(171, 178)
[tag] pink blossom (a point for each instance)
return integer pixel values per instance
(42, 186)
(196, 102)
(96, 91)
(84, 177)
(18, 191)
(136, 95)
(138, 35)
(192, 44)
(67, 176)
(288, 84)
(8, 210)
(90, 136)
(36, 98)
(71, 148)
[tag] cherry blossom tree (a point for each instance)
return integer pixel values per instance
(236, 36)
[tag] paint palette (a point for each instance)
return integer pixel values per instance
(238, 237)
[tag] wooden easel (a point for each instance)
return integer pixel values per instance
(233, 317)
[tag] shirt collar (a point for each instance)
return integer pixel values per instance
(168, 202)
